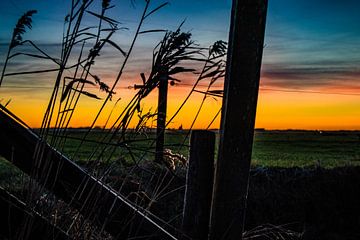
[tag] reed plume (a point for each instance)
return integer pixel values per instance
(24, 22)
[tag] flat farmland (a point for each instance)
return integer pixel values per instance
(306, 148)
(271, 148)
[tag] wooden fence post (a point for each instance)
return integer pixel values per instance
(161, 117)
(199, 185)
(246, 41)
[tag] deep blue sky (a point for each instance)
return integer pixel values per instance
(308, 43)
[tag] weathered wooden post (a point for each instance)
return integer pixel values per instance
(199, 185)
(241, 86)
(161, 117)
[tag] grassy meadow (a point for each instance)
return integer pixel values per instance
(306, 149)
(271, 148)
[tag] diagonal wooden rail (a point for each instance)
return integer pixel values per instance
(75, 186)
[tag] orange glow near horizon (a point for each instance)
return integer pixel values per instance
(310, 73)
(313, 111)
(276, 109)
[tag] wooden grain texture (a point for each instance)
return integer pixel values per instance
(161, 117)
(199, 185)
(246, 41)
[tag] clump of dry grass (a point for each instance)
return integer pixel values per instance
(271, 232)
(69, 219)
(174, 159)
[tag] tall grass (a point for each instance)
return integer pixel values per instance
(171, 55)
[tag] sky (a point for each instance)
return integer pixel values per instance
(310, 73)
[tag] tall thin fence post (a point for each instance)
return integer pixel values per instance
(246, 41)
(161, 117)
(199, 185)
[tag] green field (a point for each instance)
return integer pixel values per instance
(306, 148)
(271, 148)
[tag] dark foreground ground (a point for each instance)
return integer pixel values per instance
(323, 203)
(306, 181)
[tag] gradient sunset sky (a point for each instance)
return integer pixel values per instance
(310, 72)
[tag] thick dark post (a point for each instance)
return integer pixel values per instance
(161, 117)
(199, 185)
(241, 86)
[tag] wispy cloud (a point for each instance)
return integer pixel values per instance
(310, 77)
(294, 58)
